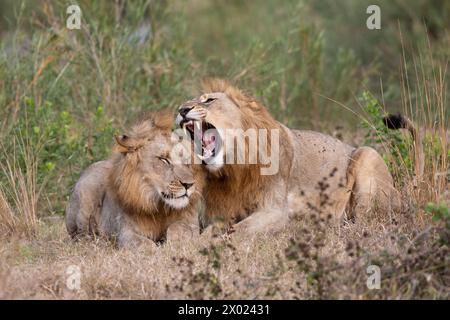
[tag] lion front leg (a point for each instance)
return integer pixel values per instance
(183, 229)
(130, 238)
(268, 220)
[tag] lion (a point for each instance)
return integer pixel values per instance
(316, 172)
(144, 188)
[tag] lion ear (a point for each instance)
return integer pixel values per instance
(163, 120)
(125, 144)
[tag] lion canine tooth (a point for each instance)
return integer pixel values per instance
(198, 125)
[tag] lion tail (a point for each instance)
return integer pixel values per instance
(398, 121)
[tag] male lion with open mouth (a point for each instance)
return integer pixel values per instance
(313, 171)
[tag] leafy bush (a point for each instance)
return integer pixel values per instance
(440, 212)
(59, 146)
(394, 146)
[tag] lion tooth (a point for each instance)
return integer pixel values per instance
(198, 125)
(185, 130)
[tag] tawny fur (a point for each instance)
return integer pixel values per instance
(244, 186)
(317, 172)
(126, 189)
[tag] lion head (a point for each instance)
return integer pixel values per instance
(150, 174)
(220, 116)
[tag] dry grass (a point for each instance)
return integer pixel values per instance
(19, 194)
(62, 89)
(313, 258)
(281, 266)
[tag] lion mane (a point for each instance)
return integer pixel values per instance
(239, 188)
(135, 194)
(354, 178)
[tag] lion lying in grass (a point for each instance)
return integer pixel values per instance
(316, 172)
(140, 191)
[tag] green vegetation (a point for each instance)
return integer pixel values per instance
(63, 91)
(314, 64)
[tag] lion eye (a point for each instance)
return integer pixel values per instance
(165, 160)
(209, 100)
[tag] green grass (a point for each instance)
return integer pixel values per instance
(314, 64)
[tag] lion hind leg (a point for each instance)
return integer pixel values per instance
(373, 187)
(85, 203)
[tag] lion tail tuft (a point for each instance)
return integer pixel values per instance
(396, 121)
(399, 121)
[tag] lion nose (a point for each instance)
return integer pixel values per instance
(184, 110)
(187, 185)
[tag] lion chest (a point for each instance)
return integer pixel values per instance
(227, 201)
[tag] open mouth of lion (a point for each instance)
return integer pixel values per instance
(205, 136)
